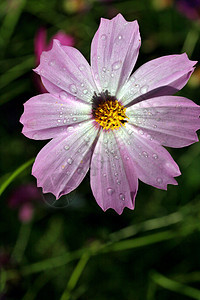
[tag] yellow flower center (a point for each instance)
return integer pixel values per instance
(110, 114)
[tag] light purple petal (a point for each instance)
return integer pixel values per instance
(65, 68)
(114, 51)
(63, 163)
(170, 120)
(113, 180)
(159, 77)
(152, 163)
(46, 116)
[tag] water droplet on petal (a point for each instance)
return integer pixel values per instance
(73, 88)
(70, 161)
(155, 156)
(116, 65)
(104, 69)
(81, 67)
(112, 75)
(119, 37)
(85, 92)
(154, 126)
(96, 76)
(110, 191)
(121, 197)
(103, 37)
(145, 154)
(74, 119)
(144, 89)
(159, 180)
(80, 170)
(51, 63)
(130, 131)
(67, 147)
(63, 95)
(86, 139)
(141, 131)
(132, 79)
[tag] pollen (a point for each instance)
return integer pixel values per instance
(110, 114)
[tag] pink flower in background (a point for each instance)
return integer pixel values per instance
(23, 199)
(40, 45)
(103, 118)
(189, 8)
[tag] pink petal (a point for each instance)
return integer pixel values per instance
(152, 163)
(64, 68)
(46, 116)
(114, 51)
(63, 163)
(113, 180)
(169, 120)
(159, 77)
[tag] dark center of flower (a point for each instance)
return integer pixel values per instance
(108, 111)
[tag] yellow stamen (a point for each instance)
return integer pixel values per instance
(110, 114)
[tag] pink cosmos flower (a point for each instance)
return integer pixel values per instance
(23, 199)
(103, 118)
(40, 45)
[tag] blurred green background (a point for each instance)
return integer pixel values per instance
(75, 250)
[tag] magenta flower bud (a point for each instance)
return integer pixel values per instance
(40, 45)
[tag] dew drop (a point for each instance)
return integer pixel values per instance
(130, 131)
(73, 88)
(67, 147)
(116, 65)
(132, 79)
(159, 180)
(118, 181)
(112, 75)
(81, 67)
(116, 174)
(63, 95)
(51, 63)
(141, 131)
(70, 128)
(104, 175)
(144, 89)
(96, 76)
(121, 197)
(85, 92)
(104, 69)
(155, 156)
(70, 161)
(119, 37)
(145, 154)
(74, 119)
(80, 170)
(154, 126)
(103, 37)
(86, 139)
(110, 191)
